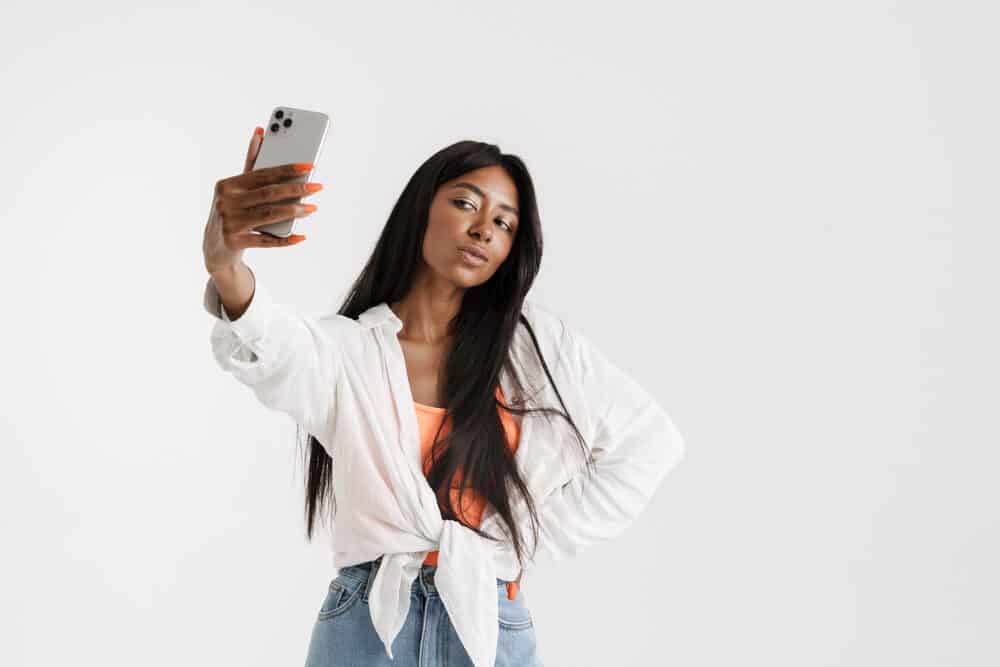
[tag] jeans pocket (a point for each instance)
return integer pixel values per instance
(340, 597)
(513, 614)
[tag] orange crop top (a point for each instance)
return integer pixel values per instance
(428, 418)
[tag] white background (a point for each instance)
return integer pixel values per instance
(780, 217)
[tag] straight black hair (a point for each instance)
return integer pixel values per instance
(476, 447)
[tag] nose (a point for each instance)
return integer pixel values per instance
(482, 231)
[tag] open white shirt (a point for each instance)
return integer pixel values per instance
(345, 382)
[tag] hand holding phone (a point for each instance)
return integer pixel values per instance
(290, 136)
(266, 196)
(247, 200)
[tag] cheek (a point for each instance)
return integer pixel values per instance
(435, 237)
(438, 247)
(433, 232)
(508, 250)
(443, 226)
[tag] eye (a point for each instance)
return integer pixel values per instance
(459, 202)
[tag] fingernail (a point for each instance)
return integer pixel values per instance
(296, 238)
(258, 131)
(309, 208)
(303, 166)
(313, 187)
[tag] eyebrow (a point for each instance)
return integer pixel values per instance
(482, 194)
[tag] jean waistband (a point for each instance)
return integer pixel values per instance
(364, 573)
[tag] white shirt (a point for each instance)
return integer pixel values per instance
(345, 382)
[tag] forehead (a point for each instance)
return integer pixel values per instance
(493, 181)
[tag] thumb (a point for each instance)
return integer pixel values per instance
(253, 149)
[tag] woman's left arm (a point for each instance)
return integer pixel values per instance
(634, 443)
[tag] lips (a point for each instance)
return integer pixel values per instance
(478, 252)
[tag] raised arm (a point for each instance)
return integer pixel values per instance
(291, 362)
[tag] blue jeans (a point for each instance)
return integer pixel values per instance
(344, 636)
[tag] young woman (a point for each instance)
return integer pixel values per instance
(460, 431)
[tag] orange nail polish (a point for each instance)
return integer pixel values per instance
(296, 238)
(309, 208)
(258, 131)
(313, 187)
(303, 166)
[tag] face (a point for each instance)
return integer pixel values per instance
(477, 208)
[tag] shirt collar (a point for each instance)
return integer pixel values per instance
(380, 315)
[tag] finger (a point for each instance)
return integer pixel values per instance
(244, 240)
(257, 240)
(253, 149)
(263, 176)
(281, 192)
(236, 221)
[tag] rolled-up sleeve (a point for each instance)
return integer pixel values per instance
(289, 361)
(634, 443)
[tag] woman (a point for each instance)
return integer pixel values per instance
(410, 389)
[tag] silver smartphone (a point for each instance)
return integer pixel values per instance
(291, 135)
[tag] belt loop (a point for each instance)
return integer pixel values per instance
(426, 580)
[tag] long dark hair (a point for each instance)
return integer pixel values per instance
(483, 329)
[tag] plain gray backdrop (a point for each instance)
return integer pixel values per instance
(780, 217)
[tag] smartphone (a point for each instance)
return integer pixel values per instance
(291, 135)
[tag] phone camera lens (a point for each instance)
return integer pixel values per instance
(275, 127)
(288, 122)
(279, 114)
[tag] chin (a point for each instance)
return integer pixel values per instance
(465, 278)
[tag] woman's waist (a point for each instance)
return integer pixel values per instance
(424, 582)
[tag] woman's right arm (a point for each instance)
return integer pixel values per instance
(234, 286)
(289, 361)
